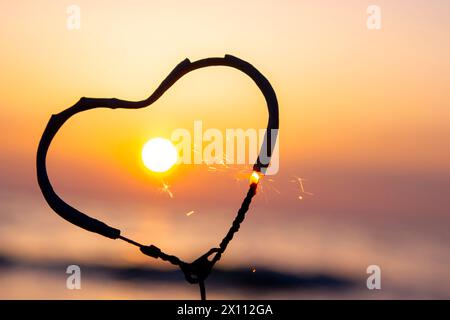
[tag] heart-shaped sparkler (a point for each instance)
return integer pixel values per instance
(197, 271)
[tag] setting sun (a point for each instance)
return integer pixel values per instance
(159, 154)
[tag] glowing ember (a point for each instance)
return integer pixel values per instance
(254, 178)
(253, 269)
(190, 212)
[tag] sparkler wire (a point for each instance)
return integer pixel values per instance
(198, 270)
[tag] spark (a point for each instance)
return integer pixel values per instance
(261, 188)
(253, 269)
(241, 174)
(276, 190)
(271, 187)
(195, 148)
(223, 162)
(190, 212)
(166, 189)
(226, 161)
(302, 188)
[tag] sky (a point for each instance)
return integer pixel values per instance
(364, 120)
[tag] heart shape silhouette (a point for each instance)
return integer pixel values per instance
(197, 271)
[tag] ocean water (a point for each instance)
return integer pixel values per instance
(299, 256)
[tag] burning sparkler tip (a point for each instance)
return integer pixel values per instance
(254, 178)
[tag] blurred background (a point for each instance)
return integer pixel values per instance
(364, 125)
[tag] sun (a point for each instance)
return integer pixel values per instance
(159, 154)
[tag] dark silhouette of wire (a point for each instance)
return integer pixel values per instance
(198, 270)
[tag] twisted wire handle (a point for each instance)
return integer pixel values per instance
(236, 223)
(199, 270)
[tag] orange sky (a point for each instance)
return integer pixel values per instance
(350, 98)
